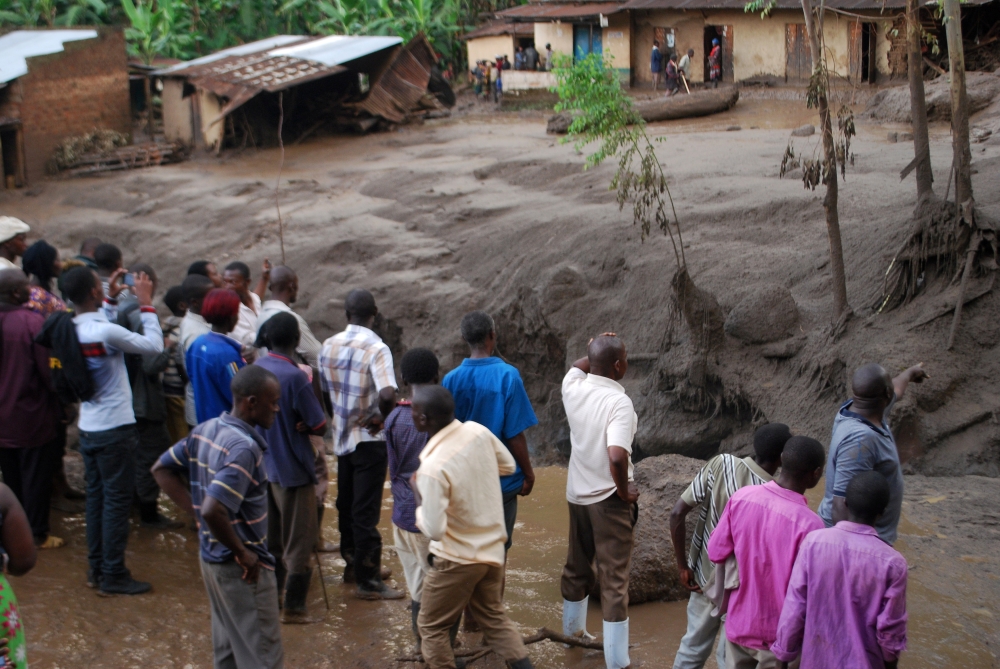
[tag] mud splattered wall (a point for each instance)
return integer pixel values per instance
(617, 43)
(487, 48)
(68, 94)
(559, 35)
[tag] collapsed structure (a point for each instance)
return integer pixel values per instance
(57, 84)
(241, 95)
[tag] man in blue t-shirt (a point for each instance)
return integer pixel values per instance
(490, 392)
(223, 460)
(290, 462)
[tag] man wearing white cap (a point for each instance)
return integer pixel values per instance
(13, 244)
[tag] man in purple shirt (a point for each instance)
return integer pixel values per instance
(846, 602)
(290, 461)
(29, 410)
(763, 526)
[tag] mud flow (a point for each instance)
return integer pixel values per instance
(67, 624)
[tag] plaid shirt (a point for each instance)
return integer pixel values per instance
(354, 366)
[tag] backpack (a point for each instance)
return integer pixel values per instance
(70, 375)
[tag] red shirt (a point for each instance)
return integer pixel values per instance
(29, 409)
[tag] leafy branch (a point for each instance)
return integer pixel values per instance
(603, 113)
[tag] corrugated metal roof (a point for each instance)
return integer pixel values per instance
(337, 49)
(782, 4)
(17, 46)
(494, 28)
(541, 12)
(241, 50)
(399, 90)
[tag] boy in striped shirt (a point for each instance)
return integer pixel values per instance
(721, 476)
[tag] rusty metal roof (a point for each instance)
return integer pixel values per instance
(398, 91)
(548, 11)
(242, 50)
(494, 28)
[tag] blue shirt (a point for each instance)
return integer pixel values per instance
(858, 446)
(224, 458)
(290, 460)
(656, 60)
(490, 392)
(212, 361)
(403, 444)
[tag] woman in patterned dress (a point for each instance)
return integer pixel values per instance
(41, 262)
(18, 553)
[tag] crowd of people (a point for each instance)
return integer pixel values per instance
(677, 72)
(223, 406)
(486, 75)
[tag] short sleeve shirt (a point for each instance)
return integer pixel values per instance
(859, 446)
(354, 366)
(404, 445)
(490, 392)
(711, 489)
(289, 459)
(212, 361)
(224, 458)
(600, 415)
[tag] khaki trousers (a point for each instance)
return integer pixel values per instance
(448, 588)
(601, 532)
(292, 526)
(741, 657)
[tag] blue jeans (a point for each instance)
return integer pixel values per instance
(109, 463)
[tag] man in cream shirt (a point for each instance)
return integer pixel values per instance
(461, 509)
(601, 493)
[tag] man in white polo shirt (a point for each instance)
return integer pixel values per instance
(601, 493)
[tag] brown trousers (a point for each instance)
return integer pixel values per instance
(601, 531)
(448, 587)
(292, 526)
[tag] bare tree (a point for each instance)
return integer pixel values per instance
(818, 84)
(918, 108)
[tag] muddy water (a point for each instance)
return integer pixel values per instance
(68, 625)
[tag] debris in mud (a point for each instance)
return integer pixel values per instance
(768, 313)
(893, 104)
(108, 151)
(807, 130)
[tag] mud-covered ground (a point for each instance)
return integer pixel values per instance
(487, 211)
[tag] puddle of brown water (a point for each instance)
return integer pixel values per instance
(67, 625)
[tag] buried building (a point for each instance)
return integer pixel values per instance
(56, 84)
(240, 96)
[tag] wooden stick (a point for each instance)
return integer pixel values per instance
(934, 66)
(684, 79)
(471, 655)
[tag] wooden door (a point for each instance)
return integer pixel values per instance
(798, 60)
(728, 71)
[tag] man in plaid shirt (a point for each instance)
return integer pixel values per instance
(360, 387)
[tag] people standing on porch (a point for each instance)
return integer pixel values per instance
(531, 58)
(601, 492)
(548, 58)
(715, 63)
(656, 63)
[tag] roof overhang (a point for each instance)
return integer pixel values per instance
(548, 12)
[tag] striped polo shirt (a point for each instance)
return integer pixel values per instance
(224, 458)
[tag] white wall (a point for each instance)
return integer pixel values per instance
(177, 121)
(487, 48)
(559, 35)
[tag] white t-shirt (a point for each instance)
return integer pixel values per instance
(600, 415)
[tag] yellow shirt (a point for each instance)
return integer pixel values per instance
(461, 507)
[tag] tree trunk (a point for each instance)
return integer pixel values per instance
(814, 28)
(149, 106)
(959, 103)
(918, 104)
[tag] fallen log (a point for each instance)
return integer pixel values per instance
(472, 654)
(699, 103)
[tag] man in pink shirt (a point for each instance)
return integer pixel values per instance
(763, 526)
(846, 602)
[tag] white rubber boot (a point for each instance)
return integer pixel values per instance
(616, 644)
(575, 619)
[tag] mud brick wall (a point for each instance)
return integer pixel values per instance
(70, 93)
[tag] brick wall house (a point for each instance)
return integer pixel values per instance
(79, 87)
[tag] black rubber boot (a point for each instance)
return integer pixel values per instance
(523, 663)
(296, 593)
(122, 585)
(414, 613)
(150, 516)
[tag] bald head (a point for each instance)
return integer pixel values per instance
(284, 284)
(13, 286)
(433, 408)
(871, 387)
(607, 357)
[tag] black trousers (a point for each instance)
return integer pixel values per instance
(154, 441)
(360, 482)
(28, 472)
